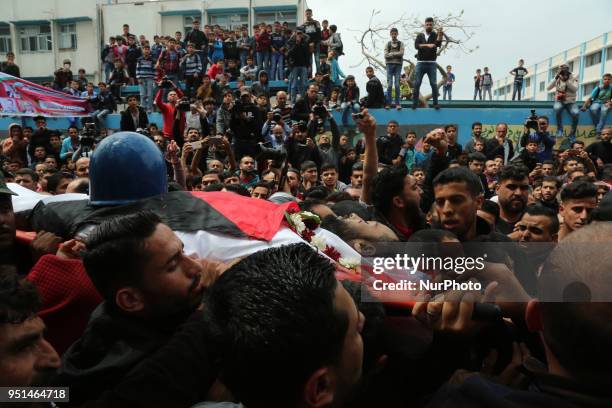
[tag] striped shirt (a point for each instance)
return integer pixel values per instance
(145, 68)
(192, 64)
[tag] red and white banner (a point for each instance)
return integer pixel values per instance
(23, 98)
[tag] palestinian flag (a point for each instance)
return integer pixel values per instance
(216, 212)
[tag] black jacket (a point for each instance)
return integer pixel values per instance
(112, 345)
(298, 54)
(427, 54)
(301, 110)
(127, 122)
(299, 152)
(246, 123)
(104, 100)
(198, 38)
(388, 148)
(493, 148)
(376, 94)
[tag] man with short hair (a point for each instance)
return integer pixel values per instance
(565, 85)
(299, 57)
(389, 145)
(192, 68)
(476, 136)
(537, 224)
(248, 172)
(427, 44)
(500, 145)
(394, 59)
(9, 66)
(312, 29)
(145, 74)
(356, 176)
(261, 190)
(454, 148)
(173, 119)
(546, 141)
(150, 287)
(317, 344)
(27, 178)
(548, 168)
(512, 193)
(70, 144)
(374, 88)
(134, 117)
(329, 178)
(550, 189)
(199, 41)
(26, 358)
(519, 74)
(577, 201)
(599, 103)
(58, 183)
(309, 176)
(601, 151)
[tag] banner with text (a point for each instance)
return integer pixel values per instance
(22, 98)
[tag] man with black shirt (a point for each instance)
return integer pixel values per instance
(298, 56)
(300, 147)
(389, 145)
(476, 164)
(199, 40)
(9, 66)
(454, 148)
(312, 28)
(374, 88)
(150, 287)
(246, 125)
(519, 73)
(40, 137)
(427, 44)
(550, 189)
(303, 107)
(134, 117)
(601, 152)
(512, 193)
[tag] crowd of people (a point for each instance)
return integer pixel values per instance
(207, 262)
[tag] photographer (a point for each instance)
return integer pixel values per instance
(565, 85)
(545, 140)
(174, 118)
(328, 149)
(246, 126)
(87, 142)
(303, 107)
(275, 131)
(134, 116)
(70, 143)
(301, 148)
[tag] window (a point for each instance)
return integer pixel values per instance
(229, 21)
(35, 38)
(270, 17)
(555, 70)
(588, 88)
(609, 53)
(593, 59)
(67, 37)
(188, 23)
(500, 91)
(508, 88)
(551, 96)
(6, 44)
(527, 82)
(542, 86)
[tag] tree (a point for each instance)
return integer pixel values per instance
(456, 33)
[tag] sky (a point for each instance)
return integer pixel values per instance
(504, 31)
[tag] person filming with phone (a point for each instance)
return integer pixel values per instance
(565, 85)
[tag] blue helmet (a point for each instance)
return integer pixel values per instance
(126, 167)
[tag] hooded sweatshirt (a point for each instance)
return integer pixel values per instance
(262, 86)
(14, 151)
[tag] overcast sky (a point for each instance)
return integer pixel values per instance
(505, 30)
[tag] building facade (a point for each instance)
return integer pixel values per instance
(43, 33)
(589, 61)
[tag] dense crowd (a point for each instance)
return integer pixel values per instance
(208, 262)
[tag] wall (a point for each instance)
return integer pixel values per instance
(422, 120)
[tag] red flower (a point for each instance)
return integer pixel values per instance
(332, 253)
(308, 234)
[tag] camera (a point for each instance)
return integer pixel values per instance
(88, 136)
(165, 83)
(319, 108)
(302, 126)
(276, 116)
(184, 105)
(532, 121)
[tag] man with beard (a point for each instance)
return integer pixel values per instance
(26, 358)
(577, 201)
(476, 136)
(307, 344)
(149, 287)
(550, 189)
(512, 193)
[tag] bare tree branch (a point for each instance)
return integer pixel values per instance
(456, 35)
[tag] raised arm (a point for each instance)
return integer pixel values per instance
(368, 126)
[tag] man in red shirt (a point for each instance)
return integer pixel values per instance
(174, 119)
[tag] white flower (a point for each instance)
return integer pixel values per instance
(349, 263)
(296, 220)
(318, 242)
(308, 214)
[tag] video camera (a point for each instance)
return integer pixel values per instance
(532, 121)
(165, 83)
(184, 105)
(319, 109)
(88, 136)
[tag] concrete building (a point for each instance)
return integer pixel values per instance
(42, 33)
(589, 61)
